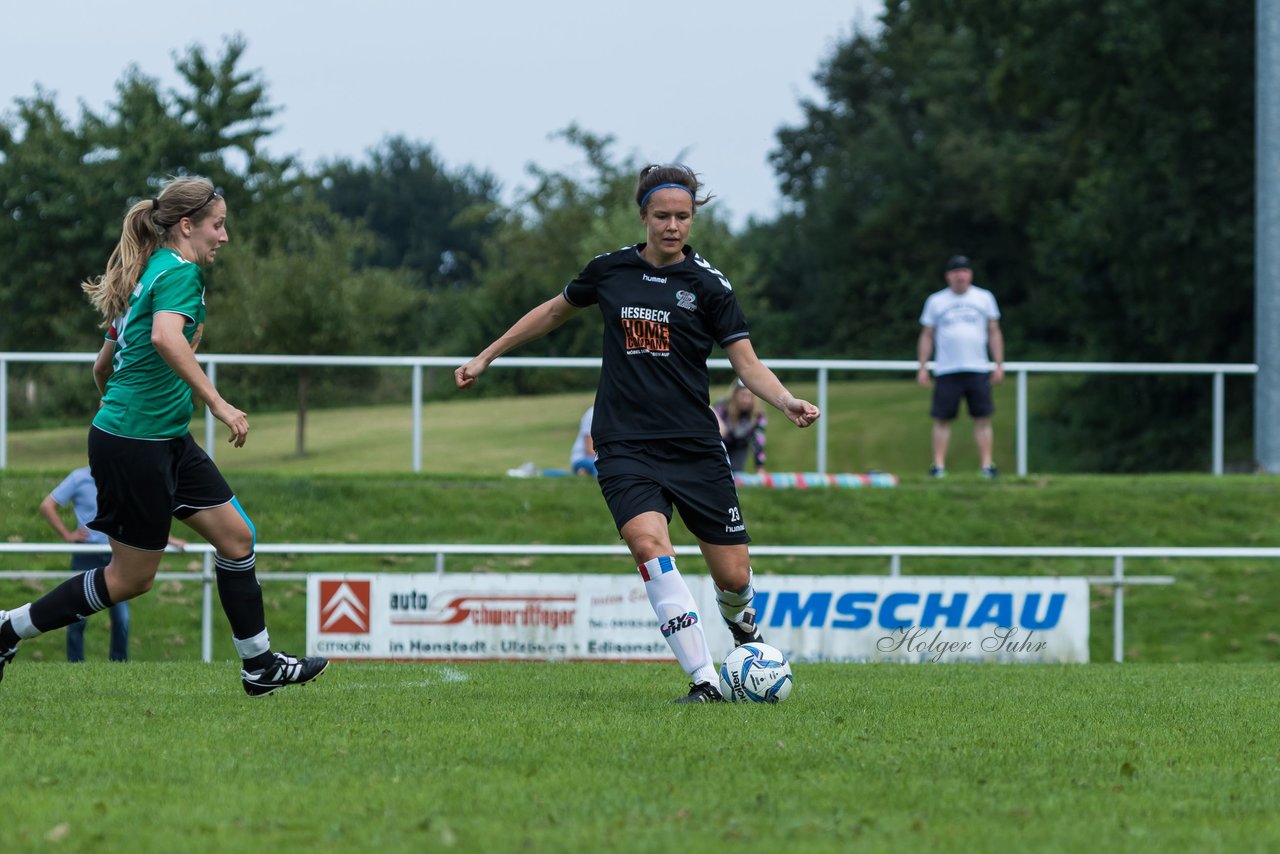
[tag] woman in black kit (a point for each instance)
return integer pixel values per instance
(657, 439)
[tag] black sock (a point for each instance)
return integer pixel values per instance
(71, 601)
(241, 598)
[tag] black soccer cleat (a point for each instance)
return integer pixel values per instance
(287, 670)
(6, 655)
(703, 692)
(745, 629)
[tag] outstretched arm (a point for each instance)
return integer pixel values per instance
(756, 376)
(537, 323)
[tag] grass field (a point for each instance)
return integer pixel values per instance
(1217, 611)
(1177, 749)
(587, 757)
(880, 425)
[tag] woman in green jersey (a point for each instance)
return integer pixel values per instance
(147, 467)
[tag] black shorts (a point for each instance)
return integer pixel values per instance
(692, 475)
(145, 483)
(973, 386)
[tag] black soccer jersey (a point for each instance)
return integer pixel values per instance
(660, 324)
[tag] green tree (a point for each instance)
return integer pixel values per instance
(1088, 157)
(425, 218)
(64, 188)
(308, 300)
(51, 231)
(1150, 254)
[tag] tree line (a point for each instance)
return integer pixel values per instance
(1095, 161)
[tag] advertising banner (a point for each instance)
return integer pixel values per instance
(595, 616)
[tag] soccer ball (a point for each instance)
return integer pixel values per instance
(755, 673)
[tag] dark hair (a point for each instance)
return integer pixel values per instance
(654, 176)
(145, 228)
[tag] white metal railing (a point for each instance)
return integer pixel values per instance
(1116, 555)
(822, 367)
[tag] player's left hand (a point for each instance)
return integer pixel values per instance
(802, 413)
(234, 419)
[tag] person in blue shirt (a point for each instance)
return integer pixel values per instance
(77, 489)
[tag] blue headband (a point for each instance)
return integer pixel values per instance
(646, 196)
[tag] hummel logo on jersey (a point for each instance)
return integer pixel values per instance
(661, 280)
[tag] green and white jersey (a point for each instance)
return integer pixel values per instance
(144, 398)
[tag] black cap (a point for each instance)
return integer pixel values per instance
(958, 262)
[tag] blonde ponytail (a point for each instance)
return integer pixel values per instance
(110, 292)
(144, 230)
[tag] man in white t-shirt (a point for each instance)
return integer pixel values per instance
(962, 323)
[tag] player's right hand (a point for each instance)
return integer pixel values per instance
(466, 375)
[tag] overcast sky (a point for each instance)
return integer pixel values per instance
(485, 83)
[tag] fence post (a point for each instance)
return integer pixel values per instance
(823, 373)
(1117, 641)
(4, 414)
(211, 370)
(417, 419)
(1219, 403)
(1022, 423)
(895, 566)
(206, 608)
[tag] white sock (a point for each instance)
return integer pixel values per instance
(732, 605)
(20, 619)
(248, 648)
(678, 617)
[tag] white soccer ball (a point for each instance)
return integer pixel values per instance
(755, 673)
